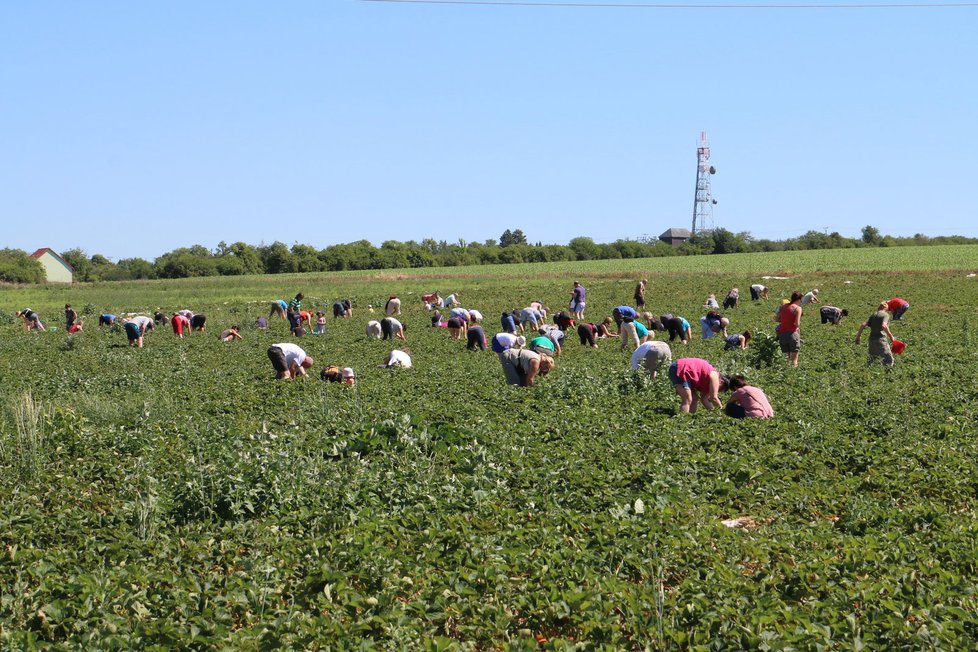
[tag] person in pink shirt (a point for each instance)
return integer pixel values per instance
(747, 401)
(695, 380)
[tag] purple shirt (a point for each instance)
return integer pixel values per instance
(579, 294)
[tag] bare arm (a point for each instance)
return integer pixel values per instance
(531, 375)
(860, 331)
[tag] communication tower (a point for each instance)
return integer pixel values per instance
(704, 201)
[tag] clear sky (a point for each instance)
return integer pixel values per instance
(133, 128)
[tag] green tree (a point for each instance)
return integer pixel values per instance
(18, 266)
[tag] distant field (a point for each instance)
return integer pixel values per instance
(177, 497)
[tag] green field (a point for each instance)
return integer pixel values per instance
(177, 497)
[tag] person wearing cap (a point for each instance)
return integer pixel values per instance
(475, 338)
(677, 327)
(522, 366)
(289, 360)
(897, 306)
(398, 359)
(789, 323)
(578, 301)
(136, 328)
(640, 294)
(696, 381)
(348, 376)
(879, 329)
(810, 297)
(230, 335)
(503, 341)
(393, 306)
(746, 401)
(32, 322)
(758, 291)
(730, 301)
(737, 341)
(832, 315)
(650, 356)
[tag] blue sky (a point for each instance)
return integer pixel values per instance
(130, 129)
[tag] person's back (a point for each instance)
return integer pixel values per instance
(876, 322)
(754, 401)
(789, 318)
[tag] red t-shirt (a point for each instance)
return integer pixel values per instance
(788, 318)
(695, 371)
(893, 304)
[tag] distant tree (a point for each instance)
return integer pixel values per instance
(510, 238)
(132, 269)
(584, 248)
(871, 236)
(276, 258)
(78, 259)
(17, 266)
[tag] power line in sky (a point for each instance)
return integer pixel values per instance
(659, 5)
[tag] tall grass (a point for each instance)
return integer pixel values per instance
(22, 447)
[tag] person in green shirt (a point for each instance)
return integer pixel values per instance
(879, 329)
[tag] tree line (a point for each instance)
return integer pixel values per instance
(240, 258)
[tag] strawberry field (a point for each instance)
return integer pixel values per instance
(176, 496)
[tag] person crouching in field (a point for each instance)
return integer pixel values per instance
(747, 402)
(279, 307)
(832, 315)
(879, 329)
(522, 366)
(32, 322)
(696, 381)
(136, 328)
(650, 356)
(897, 306)
(289, 360)
(737, 341)
(758, 292)
(198, 323)
(398, 359)
(179, 323)
(475, 338)
(589, 333)
(730, 301)
(230, 334)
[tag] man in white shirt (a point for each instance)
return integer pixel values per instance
(289, 360)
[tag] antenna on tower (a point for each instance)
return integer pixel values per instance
(703, 201)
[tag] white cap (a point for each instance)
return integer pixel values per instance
(348, 372)
(520, 340)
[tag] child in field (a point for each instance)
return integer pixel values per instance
(77, 327)
(747, 402)
(320, 323)
(230, 334)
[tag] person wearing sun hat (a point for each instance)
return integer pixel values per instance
(879, 329)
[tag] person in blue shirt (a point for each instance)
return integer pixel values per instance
(508, 323)
(677, 327)
(623, 313)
